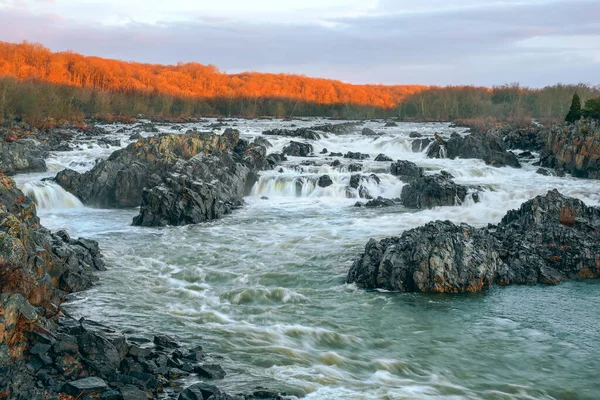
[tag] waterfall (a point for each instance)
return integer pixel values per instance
(49, 195)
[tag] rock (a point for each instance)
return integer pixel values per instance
(354, 167)
(336, 154)
(485, 146)
(379, 202)
(210, 371)
(324, 151)
(369, 132)
(406, 170)
(543, 171)
(131, 392)
(344, 127)
(391, 124)
(109, 142)
(432, 191)
(22, 156)
(202, 189)
(526, 155)
(530, 138)
(383, 157)
(356, 156)
(136, 136)
(414, 135)
(261, 141)
(297, 149)
(573, 148)
(325, 181)
(419, 145)
(166, 342)
(199, 391)
(549, 239)
(99, 352)
(87, 386)
(303, 133)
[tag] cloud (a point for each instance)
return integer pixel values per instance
(465, 42)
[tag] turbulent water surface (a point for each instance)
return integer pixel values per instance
(264, 286)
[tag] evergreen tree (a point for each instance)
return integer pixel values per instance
(575, 111)
(592, 109)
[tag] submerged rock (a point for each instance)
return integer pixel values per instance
(549, 239)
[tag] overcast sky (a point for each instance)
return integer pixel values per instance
(434, 42)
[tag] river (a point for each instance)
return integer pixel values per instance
(264, 287)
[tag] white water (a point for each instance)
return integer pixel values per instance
(49, 195)
(264, 285)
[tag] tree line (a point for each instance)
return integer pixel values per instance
(45, 88)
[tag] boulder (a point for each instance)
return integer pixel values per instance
(391, 124)
(406, 170)
(356, 156)
(83, 387)
(369, 132)
(382, 157)
(379, 202)
(324, 181)
(432, 191)
(22, 156)
(298, 149)
(303, 133)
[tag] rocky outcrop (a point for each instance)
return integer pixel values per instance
(204, 188)
(432, 191)
(356, 155)
(40, 265)
(22, 156)
(382, 158)
(344, 127)
(574, 148)
(549, 239)
(488, 147)
(120, 180)
(530, 138)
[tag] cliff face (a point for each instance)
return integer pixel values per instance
(574, 148)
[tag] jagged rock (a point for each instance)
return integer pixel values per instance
(382, 157)
(390, 124)
(418, 145)
(438, 257)
(377, 203)
(109, 142)
(344, 127)
(166, 342)
(549, 239)
(432, 191)
(543, 171)
(298, 149)
(210, 371)
(261, 141)
(86, 386)
(356, 156)
(202, 189)
(485, 146)
(354, 167)
(530, 138)
(303, 133)
(369, 132)
(120, 180)
(199, 391)
(414, 135)
(406, 170)
(22, 156)
(324, 181)
(574, 148)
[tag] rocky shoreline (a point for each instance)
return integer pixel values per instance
(45, 354)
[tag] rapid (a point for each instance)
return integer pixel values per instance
(264, 287)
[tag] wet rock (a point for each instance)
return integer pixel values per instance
(99, 352)
(324, 151)
(119, 181)
(166, 342)
(275, 159)
(202, 189)
(382, 157)
(87, 386)
(131, 392)
(391, 124)
(406, 170)
(432, 191)
(199, 391)
(485, 146)
(22, 156)
(336, 154)
(414, 135)
(549, 239)
(419, 145)
(526, 155)
(303, 133)
(379, 202)
(356, 156)
(109, 142)
(344, 127)
(354, 167)
(210, 371)
(369, 132)
(261, 141)
(336, 163)
(530, 138)
(325, 181)
(543, 171)
(298, 149)
(573, 148)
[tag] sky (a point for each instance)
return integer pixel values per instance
(431, 42)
